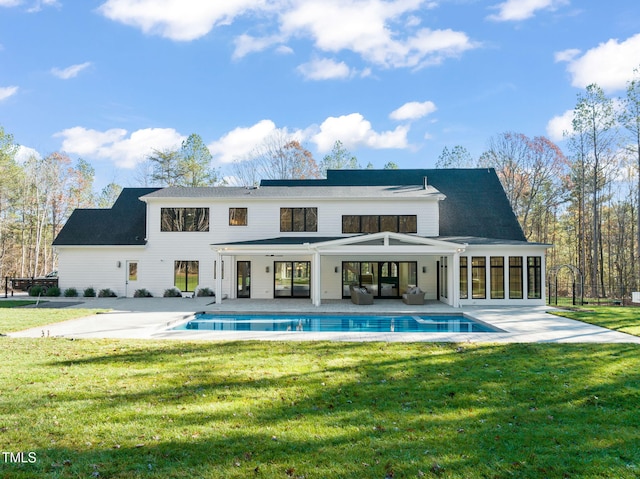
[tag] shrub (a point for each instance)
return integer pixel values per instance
(205, 292)
(37, 290)
(89, 292)
(107, 293)
(172, 293)
(53, 291)
(142, 293)
(70, 293)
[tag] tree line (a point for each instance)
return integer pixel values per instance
(584, 200)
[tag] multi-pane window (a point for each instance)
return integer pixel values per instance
(534, 277)
(237, 216)
(478, 277)
(378, 223)
(515, 277)
(497, 277)
(298, 219)
(184, 219)
(186, 275)
(464, 279)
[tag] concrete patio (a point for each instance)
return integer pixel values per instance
(151, 318)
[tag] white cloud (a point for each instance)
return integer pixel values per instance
(246, 44)
(384, 33)
(24, 153)
(354, 131)
(516, 10)
(114, 145)
(180, 20)
(413, 110)
(36, 7)
(610, 64)
(241, 141)
(325, 69)
(364, 27)
(560, 125)
(566, 55)
(70, 72)
(7, 91)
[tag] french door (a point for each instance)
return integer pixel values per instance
(384, 279)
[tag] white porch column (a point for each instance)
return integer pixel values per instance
(455, 290)
(218, 281)
(316, 287)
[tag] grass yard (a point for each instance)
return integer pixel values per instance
(16, 319)
(618, 318)
(134, 409)
(15, 303)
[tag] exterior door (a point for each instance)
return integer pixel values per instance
(244, 279)
(131, 284)
(389, 281)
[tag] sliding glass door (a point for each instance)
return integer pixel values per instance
(291, 279)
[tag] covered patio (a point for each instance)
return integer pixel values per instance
(327, 257)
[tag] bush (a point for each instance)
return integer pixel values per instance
(107, 293)
(37, 290)
(172, 293)
(205, 292)
(142, 293)
(53, 291)
(89, 292)
(70, 293)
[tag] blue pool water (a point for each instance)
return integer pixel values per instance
(344, 323)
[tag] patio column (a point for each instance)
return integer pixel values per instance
(315, 279)
(456, 279)
(218, 281)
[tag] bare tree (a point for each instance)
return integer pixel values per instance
(279, 156)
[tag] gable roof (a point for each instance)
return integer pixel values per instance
(123, 224)
(475, 204)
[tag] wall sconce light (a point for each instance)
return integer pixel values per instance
(266, 270)
(118, 264)
(335, 270)
(424, 269)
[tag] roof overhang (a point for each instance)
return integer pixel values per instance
(370, 244)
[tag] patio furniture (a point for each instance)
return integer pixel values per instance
(413, 296)
(360, 295)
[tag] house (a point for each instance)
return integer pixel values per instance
(450, 232)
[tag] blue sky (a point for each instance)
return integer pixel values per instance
(110, 80)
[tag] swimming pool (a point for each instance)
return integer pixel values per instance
(336, 323)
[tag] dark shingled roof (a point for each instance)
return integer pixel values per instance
(123, 224)
(476, 204)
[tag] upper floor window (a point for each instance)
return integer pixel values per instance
(237, 217)
(184, 219)
(298, 219)
(378, 223)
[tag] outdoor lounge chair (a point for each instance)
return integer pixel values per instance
(360, 295)
(413, 296)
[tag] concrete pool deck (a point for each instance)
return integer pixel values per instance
(151, 318)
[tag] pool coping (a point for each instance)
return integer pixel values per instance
(142, 318)
(467, 315)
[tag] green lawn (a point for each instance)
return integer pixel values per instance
(16, 319)
(169, 409)
(618, 318)
(15, 303)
